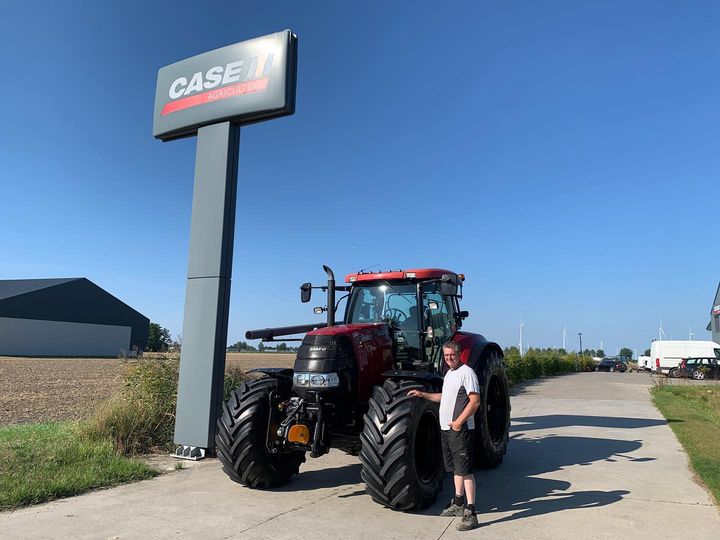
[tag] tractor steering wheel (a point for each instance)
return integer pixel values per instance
(395, 315)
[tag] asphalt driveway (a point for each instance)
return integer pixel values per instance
(590, 457)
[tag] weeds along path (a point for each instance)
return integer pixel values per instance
(45, 389)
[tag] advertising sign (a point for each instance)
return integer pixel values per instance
(248, 82)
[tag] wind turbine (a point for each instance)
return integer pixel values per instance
(661, 332)
(521, 340)
(691, 333)
(565, 338)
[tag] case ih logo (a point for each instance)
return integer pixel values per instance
(259, 75)
(716, 309)
(219, 82)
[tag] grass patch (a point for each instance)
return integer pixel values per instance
(41, 462)
(693, 413)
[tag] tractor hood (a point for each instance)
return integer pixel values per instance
(347, 329)
(357, 353)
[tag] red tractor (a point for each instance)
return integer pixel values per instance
(349, 386)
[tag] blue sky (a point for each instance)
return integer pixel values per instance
(563, 155)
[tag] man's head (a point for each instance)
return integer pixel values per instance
(451, 353)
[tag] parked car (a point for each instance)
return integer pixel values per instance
(697, 368)
(611, 364)
(644, 363)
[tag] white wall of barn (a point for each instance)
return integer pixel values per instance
(31, 337)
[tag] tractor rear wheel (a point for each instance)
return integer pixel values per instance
(242, 434)
(492, 419)
(401, 453)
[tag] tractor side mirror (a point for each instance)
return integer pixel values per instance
(305, 292)
(449, 285)
(463, 314)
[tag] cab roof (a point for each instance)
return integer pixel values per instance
(401, 275)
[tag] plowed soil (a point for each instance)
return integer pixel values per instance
(45, 389)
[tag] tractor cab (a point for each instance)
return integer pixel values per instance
(419, 306)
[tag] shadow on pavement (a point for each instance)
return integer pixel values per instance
(539, 455)
(543, 497)
(565, 420)
(515, 488)
(324, 478)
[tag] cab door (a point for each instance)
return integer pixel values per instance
(439, 322)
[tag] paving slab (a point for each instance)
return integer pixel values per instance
(590, 457)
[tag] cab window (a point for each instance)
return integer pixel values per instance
(438, 314)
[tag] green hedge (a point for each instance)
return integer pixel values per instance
(541, 363)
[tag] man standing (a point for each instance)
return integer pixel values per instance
(459, 399)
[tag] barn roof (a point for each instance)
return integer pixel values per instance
(14, 287)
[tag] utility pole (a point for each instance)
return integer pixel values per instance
(580, 336)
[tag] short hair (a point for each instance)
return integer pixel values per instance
(452, 345)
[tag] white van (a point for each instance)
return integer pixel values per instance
(644, 363)
(666, 354)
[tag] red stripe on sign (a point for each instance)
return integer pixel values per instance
(225, 92)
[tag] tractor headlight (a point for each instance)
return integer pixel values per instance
(316, 380)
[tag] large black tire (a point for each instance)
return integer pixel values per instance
(492, 419)
(401, 454)
(241, 439)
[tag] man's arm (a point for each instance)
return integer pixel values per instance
(427, 395)
(468, 411)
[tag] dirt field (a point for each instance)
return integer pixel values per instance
(43, 389)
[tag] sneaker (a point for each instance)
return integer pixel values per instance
(468, 522)
(452, 510)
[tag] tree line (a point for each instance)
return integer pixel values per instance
(242, 346)
(159, 340)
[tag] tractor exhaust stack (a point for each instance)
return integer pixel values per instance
(330, 296)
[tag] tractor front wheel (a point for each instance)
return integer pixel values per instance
(242, 435)
(401, 452)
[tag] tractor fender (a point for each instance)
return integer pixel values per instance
(432, 380)
(284, 376)
(474, 349)
(274, 372)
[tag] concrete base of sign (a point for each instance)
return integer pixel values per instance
(193, 453)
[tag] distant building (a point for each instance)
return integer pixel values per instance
(66, 317)
(714, 325)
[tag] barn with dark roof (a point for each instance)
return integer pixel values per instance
(66, 317)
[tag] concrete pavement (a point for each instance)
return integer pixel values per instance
(590, 457)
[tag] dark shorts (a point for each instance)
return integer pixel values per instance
(457, 451)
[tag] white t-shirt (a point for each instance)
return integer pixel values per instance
(457, 386)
